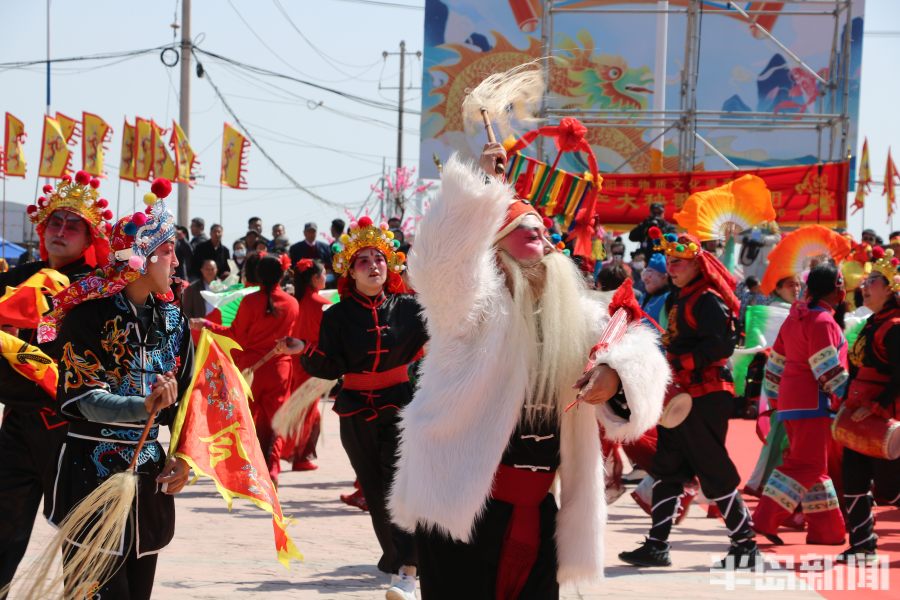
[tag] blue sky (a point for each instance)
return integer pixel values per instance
(340, 141)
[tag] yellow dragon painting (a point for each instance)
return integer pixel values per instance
(579, 77)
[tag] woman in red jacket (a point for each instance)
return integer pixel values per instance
(309, 279)
(262, 319)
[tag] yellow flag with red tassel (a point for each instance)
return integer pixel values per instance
(126, 157)
(864, 179)
(143, 149)
(97, 133)
(185, 158)
(163, 164)
(13, 155)
(890, 175)
(55, 154)
(234, 158)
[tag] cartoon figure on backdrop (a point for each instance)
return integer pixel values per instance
(72, 224)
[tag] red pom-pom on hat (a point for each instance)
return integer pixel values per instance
(107, 214)
(31, 209)
(102, 202)
(162, 187)
(82, 178)
(67, 179)
(365, 221)
(47, 188)
(95, 183)
(654, 232)
(139, 219)
(877, 252)
(548, 223)
(148, 210)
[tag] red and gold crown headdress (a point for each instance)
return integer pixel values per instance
(79, 196)
(886, 264)
(363, 234)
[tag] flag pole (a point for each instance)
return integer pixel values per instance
(3, 173)
(220, 201)
(134, 197)
(119, 198)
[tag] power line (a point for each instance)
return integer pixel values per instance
(262, 71)
(310, 103)
(328, 59)
(100, 56)
(267, 47)
(262, 150)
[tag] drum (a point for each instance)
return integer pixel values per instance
(859, 429)
(676, 406)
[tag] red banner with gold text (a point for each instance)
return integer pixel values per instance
(801, 195)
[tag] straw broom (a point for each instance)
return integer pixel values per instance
(514, 93)
(289, 418)
(99, 522)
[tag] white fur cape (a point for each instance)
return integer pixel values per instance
(472, 384)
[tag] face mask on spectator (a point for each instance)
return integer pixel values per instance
(638, 264)
(240, 253)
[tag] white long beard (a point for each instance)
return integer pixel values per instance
(555, 328)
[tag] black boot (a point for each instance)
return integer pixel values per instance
(651, 553)
(743, 554)
(862, 553)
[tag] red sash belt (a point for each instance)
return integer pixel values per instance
(710, 378)
(525, 490)
(376, 381)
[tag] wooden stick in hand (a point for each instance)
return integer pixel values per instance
(499, 167)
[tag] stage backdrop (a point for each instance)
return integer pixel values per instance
(609, 61)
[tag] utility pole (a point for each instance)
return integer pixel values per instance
(400, 88)
(184, 113)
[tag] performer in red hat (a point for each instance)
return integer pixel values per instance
(126, 357)
(370, 338)
(699, 339)
(72, 225)
(511, 328)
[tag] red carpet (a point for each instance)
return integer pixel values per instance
(744, 446)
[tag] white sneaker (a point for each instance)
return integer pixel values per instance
(403, 587)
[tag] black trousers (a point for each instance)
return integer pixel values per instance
(450, 569)
(697, 448)
(863, 475)
(372, 449)
(29, 452)
(133, 580)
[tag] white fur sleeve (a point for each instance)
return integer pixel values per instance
(452, 265)
(645, 374)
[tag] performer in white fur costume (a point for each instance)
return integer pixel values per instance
(511, 327)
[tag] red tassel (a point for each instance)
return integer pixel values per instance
(624, 298)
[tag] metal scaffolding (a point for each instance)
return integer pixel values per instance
(688, 125)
